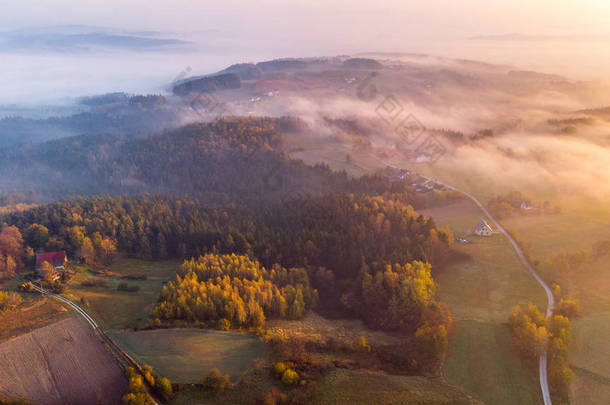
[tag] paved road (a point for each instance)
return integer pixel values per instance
(70, 303)
(542, 364)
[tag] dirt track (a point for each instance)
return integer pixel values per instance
(63, 363)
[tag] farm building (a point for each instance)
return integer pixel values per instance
(483, 229)
(55, 259)
(526, 206)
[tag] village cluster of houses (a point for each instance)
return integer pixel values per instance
(272, 93)
(424, 185)
(420, 183)
(400, 174)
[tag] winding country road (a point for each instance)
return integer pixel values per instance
(542, 364)
(71, 304)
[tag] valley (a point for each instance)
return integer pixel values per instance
(280, 233)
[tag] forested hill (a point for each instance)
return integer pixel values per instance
(236, 157)
(134, 119)
(356, 245)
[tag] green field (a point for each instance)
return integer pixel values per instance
(480, 293)
(187, 355)
(364, 388)
(115, 309)
(482, 361)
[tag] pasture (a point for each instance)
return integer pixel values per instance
(115, 309)
(187, 355)
(362, 388)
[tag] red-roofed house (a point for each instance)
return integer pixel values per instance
(55, 259)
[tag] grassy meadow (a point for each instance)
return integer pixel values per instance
(362, 388)
(114, 309)
(187, 355)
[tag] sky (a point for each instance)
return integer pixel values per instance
(230, 31)
(345, 19)
(342, 22)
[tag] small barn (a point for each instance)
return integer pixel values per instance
(525, 206)
(56, 259)
(483, 229)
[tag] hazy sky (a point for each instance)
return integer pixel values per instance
(230, 31)
(345, 23)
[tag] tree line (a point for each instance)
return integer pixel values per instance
(334, 232)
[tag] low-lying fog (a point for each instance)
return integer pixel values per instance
(56, 65)
(53, 65)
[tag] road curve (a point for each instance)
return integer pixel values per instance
(542, 364)
(71, 304)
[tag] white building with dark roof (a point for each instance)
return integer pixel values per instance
(483, 229)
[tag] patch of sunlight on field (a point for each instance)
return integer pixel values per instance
(118, 309)
(187, 355)
(34, 313)
(488, 286)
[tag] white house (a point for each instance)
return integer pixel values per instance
(483, 229)
(525, 206)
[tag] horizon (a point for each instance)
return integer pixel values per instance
(216, 35)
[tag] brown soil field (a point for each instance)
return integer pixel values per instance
(63, 363)
(34, 313)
